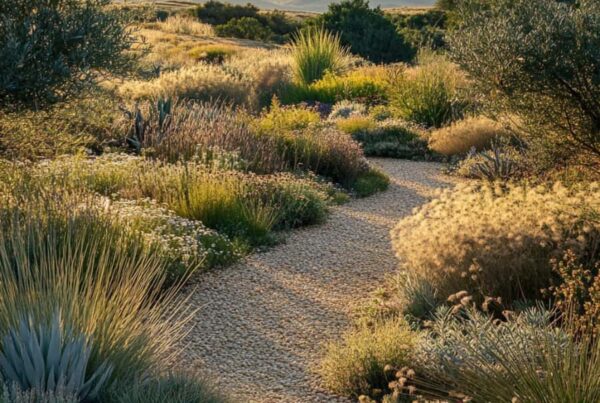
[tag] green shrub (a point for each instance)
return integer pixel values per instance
(218, 13)
(355, 124)
(331, 89)
(284, 119)
(51, 53)
(244, 28)
(173, 388)
(366, 31)
(355, 365)
(213, 53)
(316, 52)
(371, 182)
(394, 139)
(539, 60)
(461, 241)
(241, 205)
(65, 128)
(430, 94)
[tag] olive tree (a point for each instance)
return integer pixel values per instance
(51, 48)
(540, 60)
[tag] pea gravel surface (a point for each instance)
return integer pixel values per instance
(261, 324)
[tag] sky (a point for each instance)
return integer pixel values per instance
(321, 5)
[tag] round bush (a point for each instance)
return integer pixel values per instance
(498, 240)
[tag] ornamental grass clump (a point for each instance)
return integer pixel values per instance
(471, 133)
(315, 52)
(60, 252)
(527, 358)
(498, 239)
(355, 365)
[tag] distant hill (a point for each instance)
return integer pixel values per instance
(321, 5)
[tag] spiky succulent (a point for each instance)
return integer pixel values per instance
(51, 357)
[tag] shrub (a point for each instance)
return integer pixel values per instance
(355, 124)
(218, 13)
(52, 53)
(282, 119)
(577, 291)
(431, 94)
(212, 132)
(244, 28)
(240, 205)
(212, 53)
(524, 359)
(46, 357)
(355, 365)
(535, 58)
(347, 109)
(331, 89)
(178, 24)
(316, 52)
(366, 31)
(462, 136)
(64, 128)
(371, 182)
(395, 139)
(186, 244)
(461, 241)
(322, 150)
(173, 388)
(202, 82)
(110, 293)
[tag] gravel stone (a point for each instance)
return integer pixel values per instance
(261, 323)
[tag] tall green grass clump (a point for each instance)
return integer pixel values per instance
(316, 51)
(431, 94)
(60, 254)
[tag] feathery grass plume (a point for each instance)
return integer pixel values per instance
(316, 51)
(498, 239)
(60, 251)
(462, 136)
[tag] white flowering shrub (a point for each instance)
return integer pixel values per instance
(497, 240)
(186, 243)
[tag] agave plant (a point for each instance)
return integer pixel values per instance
(51, 358)
(161, 112)
(494, 164)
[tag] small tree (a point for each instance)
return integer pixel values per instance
(366, 31)
(51, 48)
(538, 59)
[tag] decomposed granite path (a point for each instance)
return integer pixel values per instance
(261, 324)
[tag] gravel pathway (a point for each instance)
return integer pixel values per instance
(261, 324)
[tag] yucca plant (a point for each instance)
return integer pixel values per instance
(315, 52)
(48, 357)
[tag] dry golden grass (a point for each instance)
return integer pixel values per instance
(201, 82)
(178, 24)
(461, 136)
(497, 240)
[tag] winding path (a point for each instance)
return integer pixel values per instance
(261, 324)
